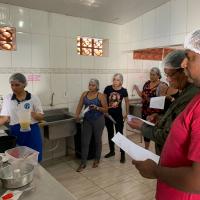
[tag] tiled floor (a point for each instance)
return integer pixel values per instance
(110, 181)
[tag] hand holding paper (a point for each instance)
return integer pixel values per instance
(134, 151)
(130, 117)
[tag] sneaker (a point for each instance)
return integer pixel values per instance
(108, 155)
(122, 160)
(81, 168)
(95, 164)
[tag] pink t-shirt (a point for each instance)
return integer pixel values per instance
(182, 148)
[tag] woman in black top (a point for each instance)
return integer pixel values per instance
(114, 95)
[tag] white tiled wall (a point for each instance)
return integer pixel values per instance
(163, 26)
(46, 45)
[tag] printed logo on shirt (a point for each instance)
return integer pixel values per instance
(114, 100)
(27, 106)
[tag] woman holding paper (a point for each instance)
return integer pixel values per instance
(152, 88)
(115, 93)
(93, 121)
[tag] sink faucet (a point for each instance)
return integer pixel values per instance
(51, 104)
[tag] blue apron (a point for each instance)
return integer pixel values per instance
(30, 139)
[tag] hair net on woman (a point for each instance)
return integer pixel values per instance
(18, 77)
(157, 71)
(192, 41)
(94, 81)
(174, 59)
(120, 76)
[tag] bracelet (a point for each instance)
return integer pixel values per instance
(97, 108)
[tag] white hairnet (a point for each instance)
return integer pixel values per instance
(192, 41)
(18, 77)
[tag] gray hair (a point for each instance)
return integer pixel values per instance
(157, 71)
(18, 77)
(120, 76)
(174, 59)
(94, 81)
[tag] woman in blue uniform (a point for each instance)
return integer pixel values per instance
(21, 101)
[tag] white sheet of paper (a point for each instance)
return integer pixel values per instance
(157, 102)
(130, 117)
(86, 110)
(134, 151)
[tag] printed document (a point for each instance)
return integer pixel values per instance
(134, 151)
(157, 102)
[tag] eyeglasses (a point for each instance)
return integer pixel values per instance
(173, 74)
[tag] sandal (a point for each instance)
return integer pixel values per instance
(81, 168)
(95, 164)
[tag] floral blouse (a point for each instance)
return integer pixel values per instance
(147, 93)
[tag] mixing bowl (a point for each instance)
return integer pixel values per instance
(16, 175)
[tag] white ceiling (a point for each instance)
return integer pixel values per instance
(113, 11)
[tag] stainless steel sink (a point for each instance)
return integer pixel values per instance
(59, 123)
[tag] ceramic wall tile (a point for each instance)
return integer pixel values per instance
(193, 15)
(57, 25)
(113, 57)
(22, 56)
(162, 25)
(73, 26)
(136, 30)
(73, 59)
(59, 88)
(40, 51)
(58, 52)
(87, 62)
(178, 19)
(40, 87)
(39, 22)
(87, 29)
(5, 57)
(20, 18)
(74, 87)
(100, 62)
(148, 25)
(5, 86)
(5, 14)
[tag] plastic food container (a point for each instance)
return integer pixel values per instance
(22, 153)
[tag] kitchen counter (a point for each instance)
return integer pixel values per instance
(46, 188)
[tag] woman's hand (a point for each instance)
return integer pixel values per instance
(37, 116)
(153, 117)
(93, 107)
(77, 118)
(135, 87)
(135, 123)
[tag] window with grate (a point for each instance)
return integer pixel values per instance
(7, 38)
(89, 46)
